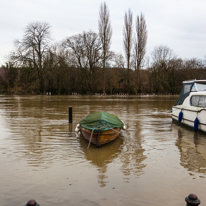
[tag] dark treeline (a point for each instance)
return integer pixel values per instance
(84, 63)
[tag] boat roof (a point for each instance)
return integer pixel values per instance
(194, 80)
(191, 86)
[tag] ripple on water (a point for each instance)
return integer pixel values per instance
(42, 157)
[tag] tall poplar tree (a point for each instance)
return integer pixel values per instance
(105, 33)
(127, 40)
(139, 47)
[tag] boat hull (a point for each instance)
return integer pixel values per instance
(99, 138)
(190, 108)
(189, 116)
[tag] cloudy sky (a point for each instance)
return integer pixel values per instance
(177, 24)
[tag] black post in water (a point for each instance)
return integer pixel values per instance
(192, 200)
(70, 114)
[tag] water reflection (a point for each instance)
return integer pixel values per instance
(192, 148)
(132, 155)
(43, 156)
(127, 154)
(101, 157)
(39, 132)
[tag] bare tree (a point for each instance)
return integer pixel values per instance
(160, 69)
(86, 49)
(92, 45)
(162, 54)
(76, 45)
(139, 47)
(127, 39)
(119, 61)
(105, 33)
(33, 48)
(77, 48)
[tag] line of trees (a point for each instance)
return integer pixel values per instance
(84, 64)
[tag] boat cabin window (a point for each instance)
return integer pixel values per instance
(184, 92)
(198, 87)
(198, 101)
(190, 87)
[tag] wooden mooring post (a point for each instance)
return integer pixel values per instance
(70, 114)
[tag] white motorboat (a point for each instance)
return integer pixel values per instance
(190, 108)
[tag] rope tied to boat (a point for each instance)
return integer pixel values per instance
(90, 138)
(92, 135)
(121, 137)
(99, 130)
(111, 129)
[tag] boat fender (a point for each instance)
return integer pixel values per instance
(77, 128)
(180, 116)
(196, 122)
(124, 126)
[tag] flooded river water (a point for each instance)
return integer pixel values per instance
(153, 162)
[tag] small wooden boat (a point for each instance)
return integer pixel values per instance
(100, 128)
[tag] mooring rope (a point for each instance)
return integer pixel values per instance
(100, 129)
(90, 138)
(92, 134)
(123, 138)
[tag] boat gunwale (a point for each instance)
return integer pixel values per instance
(189, 109)
(105, 132)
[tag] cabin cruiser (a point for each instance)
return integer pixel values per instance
(190, 108)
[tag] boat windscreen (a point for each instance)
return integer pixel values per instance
(199, 87)
(184, 92)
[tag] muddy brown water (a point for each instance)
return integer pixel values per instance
(153, 162)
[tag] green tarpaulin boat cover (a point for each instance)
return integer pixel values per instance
(101, 121)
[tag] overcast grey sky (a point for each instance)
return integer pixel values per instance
(178, 24)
